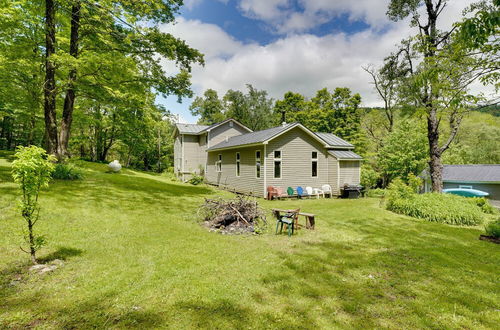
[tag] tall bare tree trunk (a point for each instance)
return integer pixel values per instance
(50, 81)
(69, 100)
(435, 166)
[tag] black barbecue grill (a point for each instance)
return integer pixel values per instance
(351, 191)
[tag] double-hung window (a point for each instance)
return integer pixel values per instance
(257, 164)
(218, 164)
(277, 164)
(238, 168)
(314, 164)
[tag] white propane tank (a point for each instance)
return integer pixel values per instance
(115, 166)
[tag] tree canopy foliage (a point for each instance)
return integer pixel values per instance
(86, 75)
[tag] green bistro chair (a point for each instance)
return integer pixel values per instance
(289, 219)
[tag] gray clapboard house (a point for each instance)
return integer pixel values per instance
(232, 156)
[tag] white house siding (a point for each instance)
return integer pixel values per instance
(247, 182)
(296, 157)
(333, 174)
(177, 154)
(349, 172)
(202, 157)
(220, 133)
(194, 157)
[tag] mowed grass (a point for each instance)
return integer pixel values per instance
(135, 257)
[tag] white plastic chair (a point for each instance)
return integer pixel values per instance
(327, 190)
(319, 192)
(314, 192)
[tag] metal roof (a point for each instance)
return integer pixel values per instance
(472, 173)
(333, 140)
(251, 138)
(190, 128)
(345, 154)
(198, 129)
(225, 121)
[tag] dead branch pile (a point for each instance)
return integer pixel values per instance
(234, 216)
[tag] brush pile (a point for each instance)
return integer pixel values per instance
(233, 216)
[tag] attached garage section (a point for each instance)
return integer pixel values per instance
(348, 167)
(350, 172)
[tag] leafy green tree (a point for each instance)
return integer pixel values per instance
(288, 108)
(32, 170)
(404, 152)
(259, 109)
(21, 74)
(369, 177)
(209, 108)
(110, 51)
(443, 70)
(477, 141)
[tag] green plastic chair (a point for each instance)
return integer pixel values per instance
(290, 191)
(289, 220)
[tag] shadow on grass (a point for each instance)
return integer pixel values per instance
(100, 312)
(15, 273)
(362, 284)
(8, 155)
(63, 253)
(128, 192)
(6, 174)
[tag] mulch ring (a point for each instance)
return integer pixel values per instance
(490, 239)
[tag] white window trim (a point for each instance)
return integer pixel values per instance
(237, 162)
(281, 165)
(259, 160)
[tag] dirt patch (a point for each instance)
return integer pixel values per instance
(490, 239)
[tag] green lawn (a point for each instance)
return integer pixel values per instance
(135, 257)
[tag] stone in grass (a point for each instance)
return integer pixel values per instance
(46, 268)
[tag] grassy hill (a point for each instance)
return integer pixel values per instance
(135, 257)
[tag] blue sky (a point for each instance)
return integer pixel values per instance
(281, 45)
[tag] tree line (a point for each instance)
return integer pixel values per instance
(81, 77)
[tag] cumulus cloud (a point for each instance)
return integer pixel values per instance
(283, 19)
(299, 62)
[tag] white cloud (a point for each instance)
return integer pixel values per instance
(282, 19)
(190, 4)
(303, 62)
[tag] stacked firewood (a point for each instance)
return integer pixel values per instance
(239, 214)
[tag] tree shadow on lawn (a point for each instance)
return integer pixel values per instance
(8, 155)
(6, 174)
(63, 253)
(13, 274)
(358, 285)
(98, 312)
